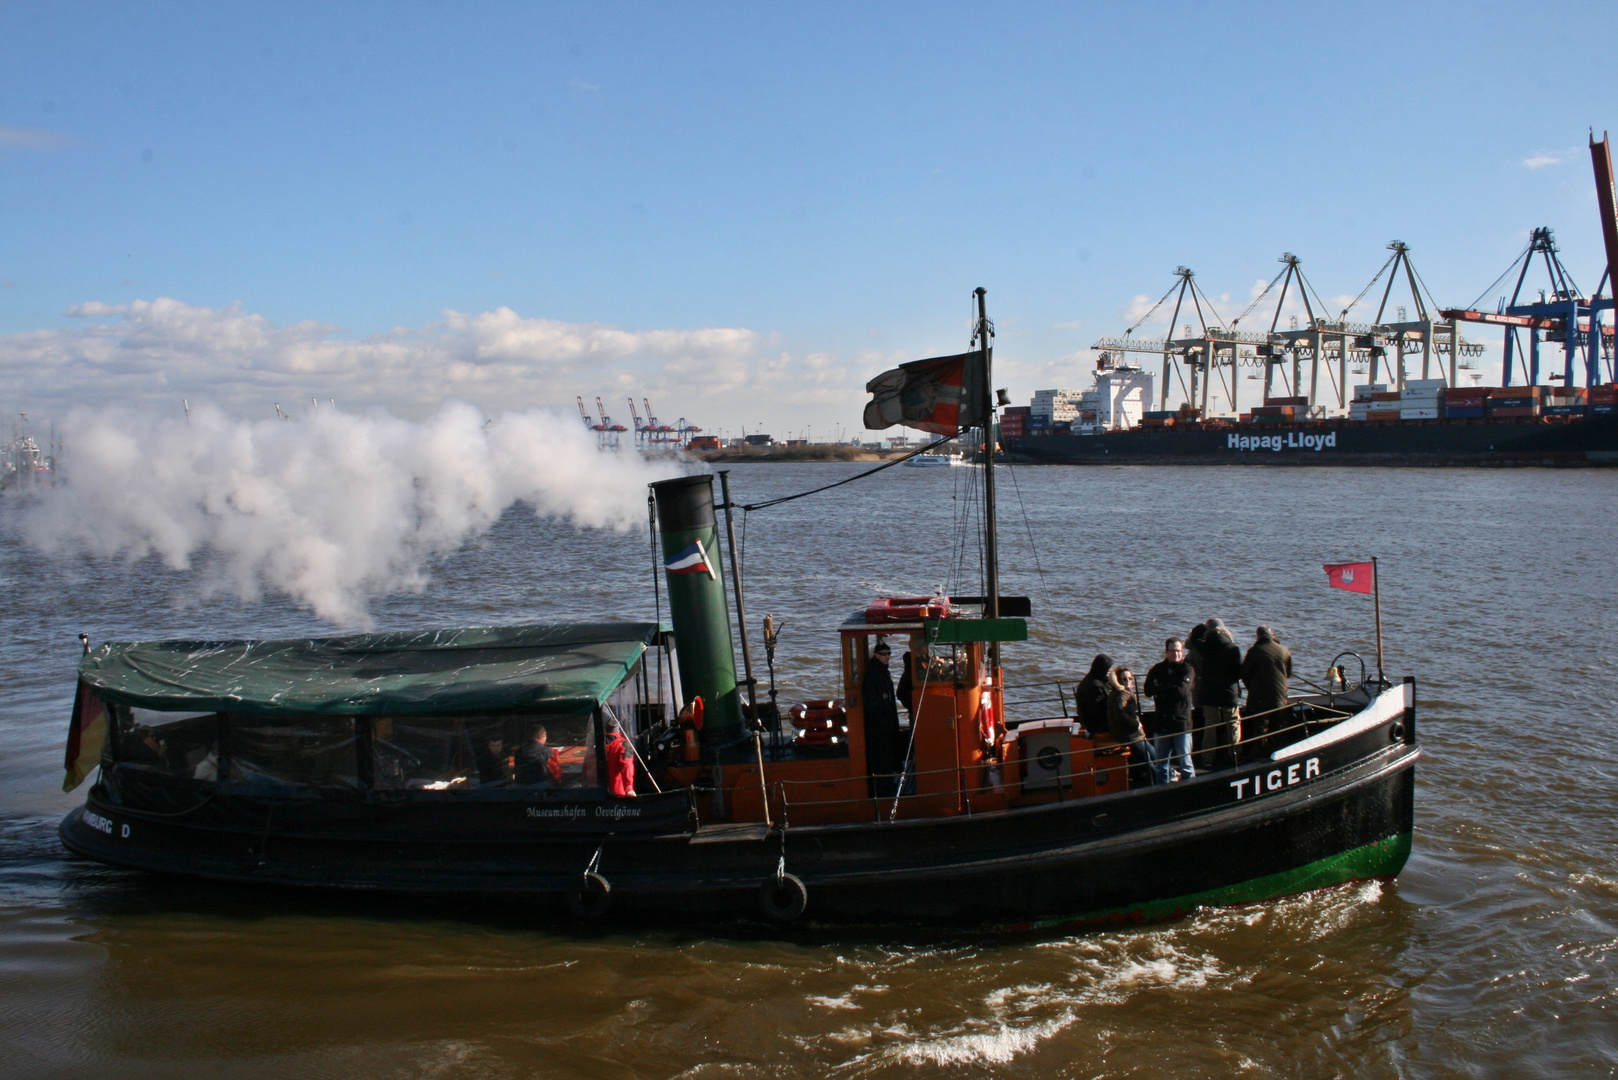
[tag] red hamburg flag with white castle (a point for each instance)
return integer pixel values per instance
(1353, 576)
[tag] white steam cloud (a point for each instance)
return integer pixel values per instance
(333, 508)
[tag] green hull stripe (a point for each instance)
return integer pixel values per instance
(1384, 858)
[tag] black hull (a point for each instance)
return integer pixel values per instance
(1589, 442)
(1340, 812)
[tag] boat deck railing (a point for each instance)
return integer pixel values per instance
(887, 808)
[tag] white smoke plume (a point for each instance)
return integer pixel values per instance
(332, 508)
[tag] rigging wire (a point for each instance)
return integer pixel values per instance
(1044, 588)
(1311, 287)
(1417, 275)
(1526, 251)
(1139, 322)
(850, 479)
(1260, 296)
(1368, 284)
(1198, 289)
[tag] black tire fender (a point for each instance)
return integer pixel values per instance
(590, 896)
(783, 897)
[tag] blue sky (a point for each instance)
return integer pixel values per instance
(745, 210)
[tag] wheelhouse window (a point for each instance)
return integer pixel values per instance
(463, 753)
(298, 751)
(178, 744)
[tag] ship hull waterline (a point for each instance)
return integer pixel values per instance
(1340, 813)
(1588, 443)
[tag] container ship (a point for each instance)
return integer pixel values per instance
(1310, 414)
(1423, 424)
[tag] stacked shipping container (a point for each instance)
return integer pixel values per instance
(1422, 399)
(1014, 422)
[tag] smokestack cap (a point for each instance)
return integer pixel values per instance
(686, 502)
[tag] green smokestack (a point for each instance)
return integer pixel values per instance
(685, 516)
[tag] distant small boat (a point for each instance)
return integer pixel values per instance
(933, 461)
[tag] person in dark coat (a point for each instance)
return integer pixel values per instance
(1265, 671)
(1123, 724)
(883, 747)
(1171, 684)
(492, 761)
(539, 764)
(1193, 656)
(1221, 679)
(1090, 699)
(906, 693)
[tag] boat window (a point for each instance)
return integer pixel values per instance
(952, 665)
(464, 753)
(182, 744)
(640, 703)
(303, 751)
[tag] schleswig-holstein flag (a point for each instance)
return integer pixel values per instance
(693, 560)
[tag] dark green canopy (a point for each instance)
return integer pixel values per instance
(557, 668)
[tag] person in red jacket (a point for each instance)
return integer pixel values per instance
(620, 762)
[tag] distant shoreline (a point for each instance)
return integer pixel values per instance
(812, 452)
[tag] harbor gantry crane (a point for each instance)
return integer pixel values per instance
(1562, 313)
(659, 433)
(609, 430)
(1201, 354)
(1220, 349)
(643, 431)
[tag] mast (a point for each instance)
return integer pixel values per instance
(991, 607)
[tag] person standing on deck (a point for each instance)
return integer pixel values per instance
(1123, 724)
(1265, 671)
(906, 693)
(1221, 679)
(1193, 656)
(1090, 699)
(883, 747)
(1171, 684)
(620, 761)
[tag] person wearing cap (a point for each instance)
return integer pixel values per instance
(1265, 671)
(1220, 676)
(884, 751)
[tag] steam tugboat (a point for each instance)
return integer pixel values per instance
(484, 761)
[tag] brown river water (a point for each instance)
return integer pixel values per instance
(1495, 954)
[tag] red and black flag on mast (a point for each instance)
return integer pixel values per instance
(943, 395)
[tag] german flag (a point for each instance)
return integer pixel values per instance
(85, 737)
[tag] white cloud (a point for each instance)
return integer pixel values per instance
(164, 349)
(1544, 158)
